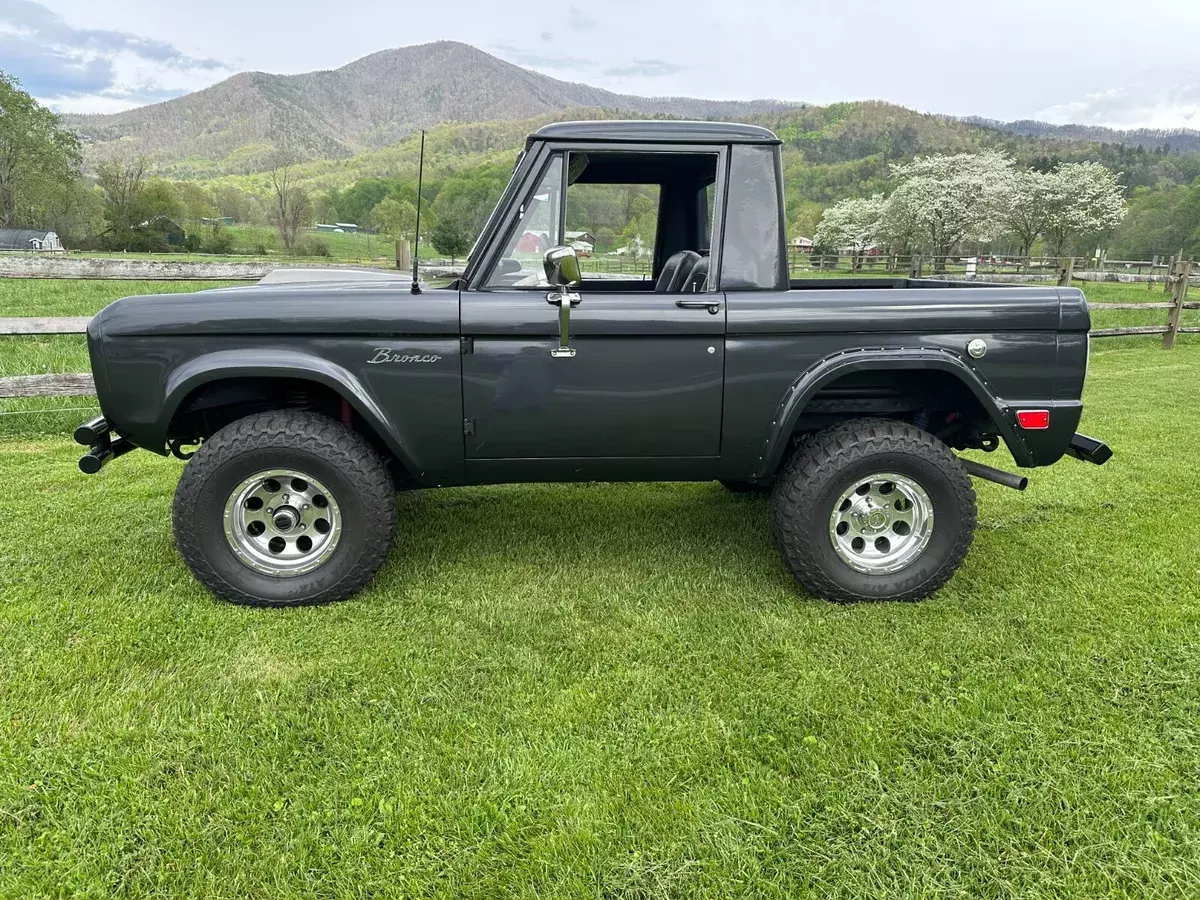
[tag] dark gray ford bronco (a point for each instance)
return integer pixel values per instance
(315, 395)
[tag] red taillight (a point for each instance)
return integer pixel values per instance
(1034, 419)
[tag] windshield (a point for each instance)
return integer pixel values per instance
(503, 201)
(537, 229)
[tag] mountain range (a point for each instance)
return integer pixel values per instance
(371, 103)
(1184, 140)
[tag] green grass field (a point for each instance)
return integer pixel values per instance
(608, 690)
(614, 690)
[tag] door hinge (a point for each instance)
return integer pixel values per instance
(468, 426)
(466, 345)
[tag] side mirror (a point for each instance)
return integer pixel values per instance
(562, 267)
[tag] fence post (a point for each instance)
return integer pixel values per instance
(914, 266)
(1178, 299)
(1171, 272)
(1066, 271)
(403, 256)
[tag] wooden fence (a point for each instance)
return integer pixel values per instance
(80, 384)
(802, 263)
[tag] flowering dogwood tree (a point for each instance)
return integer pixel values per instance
(851, 224)
(1082, 199)
(1028, 208)
(1075, 199)
(943, 201)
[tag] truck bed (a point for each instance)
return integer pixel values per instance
(880, 284)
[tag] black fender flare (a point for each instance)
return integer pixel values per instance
(221, 365)
(825, 370)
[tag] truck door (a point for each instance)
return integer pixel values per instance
(645, 375)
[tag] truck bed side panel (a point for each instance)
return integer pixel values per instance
(773, 338)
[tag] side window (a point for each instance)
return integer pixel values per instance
(537, 229)
(613, 228)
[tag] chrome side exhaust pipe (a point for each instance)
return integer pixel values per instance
(102, 452)
(998, 476)
(92, 431)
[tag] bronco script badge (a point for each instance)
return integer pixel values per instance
(387, 355)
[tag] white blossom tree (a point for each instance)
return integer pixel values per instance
(850, 224)
(1082, 199)
(943, 201)
(1028, 209)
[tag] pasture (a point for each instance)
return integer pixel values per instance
(607, 690)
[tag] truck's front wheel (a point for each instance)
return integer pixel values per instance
(284, 509)
(873, 509)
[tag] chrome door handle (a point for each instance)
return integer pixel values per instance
(713, 306)
(556, 298)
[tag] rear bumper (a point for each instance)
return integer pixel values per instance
(1089, 449)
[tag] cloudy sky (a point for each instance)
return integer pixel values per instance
(1097, 62)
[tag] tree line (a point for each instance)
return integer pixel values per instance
(885, 157)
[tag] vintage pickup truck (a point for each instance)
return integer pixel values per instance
(315, 395)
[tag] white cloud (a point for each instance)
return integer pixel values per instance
(93, 69)
(1162, 102)
(1022, 58)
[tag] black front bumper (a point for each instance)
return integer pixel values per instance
(1089, 449)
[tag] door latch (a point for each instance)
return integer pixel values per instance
(713, 306)
(564, 300)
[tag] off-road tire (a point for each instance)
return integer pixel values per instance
(812, 481)
(306, 441)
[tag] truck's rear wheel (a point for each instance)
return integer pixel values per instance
(873, 509)
(284, 509)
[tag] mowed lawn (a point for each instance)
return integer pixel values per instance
(615, 691)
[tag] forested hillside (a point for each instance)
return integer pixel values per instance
(235, 126)
(1186, 140)
(348, 141)
(830, 153)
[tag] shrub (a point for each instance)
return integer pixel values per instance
(219, 243)
(312, 246)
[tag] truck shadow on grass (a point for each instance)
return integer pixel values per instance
(625, 533)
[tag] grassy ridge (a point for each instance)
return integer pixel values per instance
(614, 690)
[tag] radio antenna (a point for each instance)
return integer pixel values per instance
(416, 287)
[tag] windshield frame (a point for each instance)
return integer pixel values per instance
(520, 169)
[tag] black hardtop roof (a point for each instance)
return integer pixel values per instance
(656, 130)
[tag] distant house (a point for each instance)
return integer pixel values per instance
(29, 239)
(802, 244)
(218, 220)
(167, 227)
(584, 242)
(348, 227)
(329, 229)
(532, 242)
(635, 248)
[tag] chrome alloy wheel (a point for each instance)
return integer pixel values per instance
(881, 523)
(282, 522)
